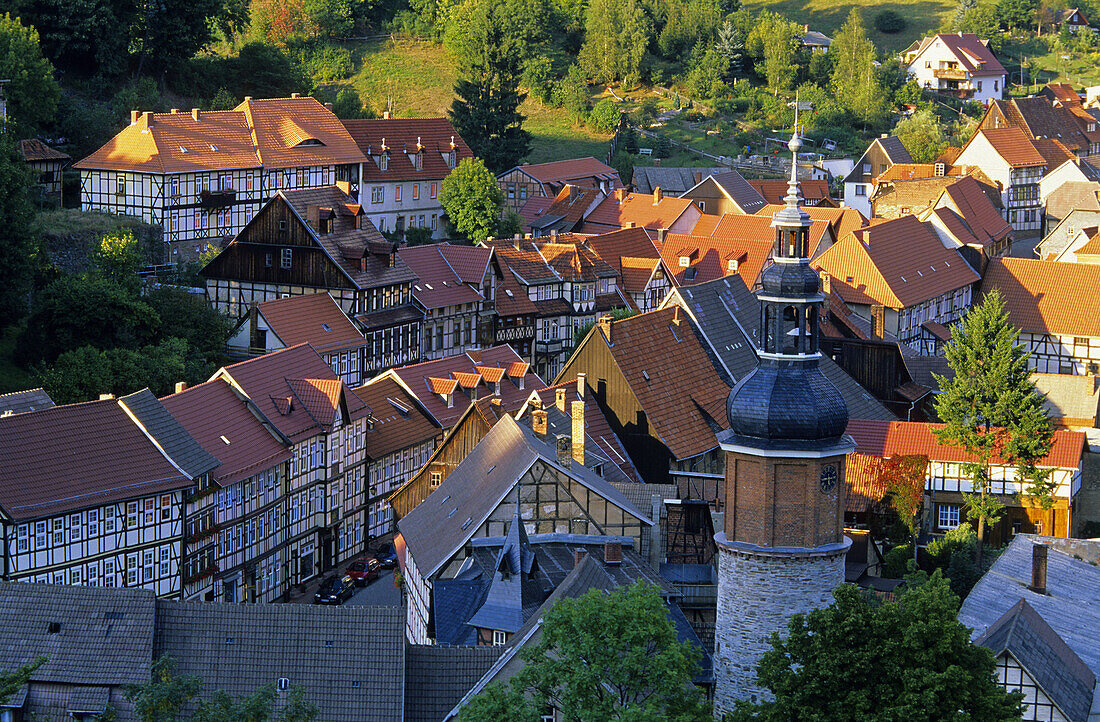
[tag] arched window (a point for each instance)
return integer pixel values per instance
(790, 330)
(769, 328)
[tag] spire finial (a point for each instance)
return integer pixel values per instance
(793, 199)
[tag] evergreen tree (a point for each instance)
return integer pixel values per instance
(731, 46)
(855, 81)
(990, 408)
(486, 112)
(18, 243)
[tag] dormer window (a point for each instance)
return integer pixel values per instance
(452, 158)
(684, 261)
(384, 162)
(418, 161)
(731, 265)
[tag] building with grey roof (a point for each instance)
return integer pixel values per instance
(726, 192)
(21, 402)
(672, 181)
(1036, 610)
(438, 676)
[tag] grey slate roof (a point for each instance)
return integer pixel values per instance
(442, 523)
(728, 316)
(743, 194)
(1062, 675)
(673, 181)
(179, 445)
(88, 700)
(437, 677)
(895, 151)
(349, 660)
(105, 635)
(1069, 607)
(21, 402)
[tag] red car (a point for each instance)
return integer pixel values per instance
(364, 571)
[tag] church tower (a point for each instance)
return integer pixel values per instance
(782, 547)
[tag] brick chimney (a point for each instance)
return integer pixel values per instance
(559, 399)
(147, 119)
(578, 431)
(612, 552)
(662, 233)
(578, 555)
(296, 95)
(328, 107)
(657, 195)
(1039, 569)
(620, 194)
(134, 115)
(605, 325)
(181, 386)
(826, 284)
(676, 314)
(538, 423)
(582, 377)
(878, 321)
(565, 453)
(196, 114)
(629, 224)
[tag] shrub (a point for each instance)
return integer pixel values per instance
(896, 562)
(329, 62)
(890, 22)
(604, 118)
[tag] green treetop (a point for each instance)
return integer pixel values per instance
(472, 199)
(855, 80)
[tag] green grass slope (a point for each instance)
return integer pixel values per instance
(924, 16)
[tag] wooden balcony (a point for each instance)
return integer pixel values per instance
(949, 74)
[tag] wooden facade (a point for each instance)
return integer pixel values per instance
(1055, 354)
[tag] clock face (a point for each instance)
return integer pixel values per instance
(828, 478)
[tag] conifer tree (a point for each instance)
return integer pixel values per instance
(991, 407)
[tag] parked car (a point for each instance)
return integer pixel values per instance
(365, 570)
(387, 556)
(335, 590)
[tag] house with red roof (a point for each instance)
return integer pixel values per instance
(644, 277)
(638, 210)
(963, 216)
(562, 213)
(899, 275)
(958, 64)
(545, 180)
(946, 482)
(1012, 161)
(405, 162)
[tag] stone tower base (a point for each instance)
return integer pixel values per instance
(759, 589)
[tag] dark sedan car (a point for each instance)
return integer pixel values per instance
(364, 571)
(335, 590)
(387, 556)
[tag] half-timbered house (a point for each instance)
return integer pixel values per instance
(94, 494)
(314, 240)
(644, 278)
(47, 164)
(546, 179)
(203, 175)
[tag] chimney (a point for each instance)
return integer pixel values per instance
(662, 233)
(538, 423)
(612, 552)
(605, 326)
(195, 113)
(559, 399)
(1039, 569)
(296, 95)
(248, 98)
(565, 456)
(181, 386)
(553, 235)
(175, 111)
(450, 400)
(826, 284)
(516, 241)
(579, 555)
(578, 432)
(878, 321)
(657, 195)
(620, 194)
(134, 115)
(328, 107)
(629, 224)
(698, 176)
(676, 314)
(581, 378)
(147, 119)
(104, 397)
(385, 115)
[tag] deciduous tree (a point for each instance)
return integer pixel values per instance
(990, 408)
(922, 136)
(472, 199)
(32, 92)
(617, 35)
(18, 241)
(903, 478)
(775, 39)
(10, 682)
(855, 81)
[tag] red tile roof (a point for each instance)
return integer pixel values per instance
(861, 478)
(397, 420)
(775, 190)
(441, 386)
(1013, 145)
(974, 206)
(534, 208)
(575, 169)
(896, 263)
(492, 374)
(972, 53)
(223, 424)
(439, 283)
(636, 208)
(710, 257)
(285, 130)
(34, 150)
(915, 171)
(886, 439)
(401, 135)
(1047, 296)
(842, 220)
(78, 455)
(314, 319)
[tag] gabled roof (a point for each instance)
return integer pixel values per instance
(774, 190)
(1042, 119)
(314, 319)
(185, 451)
(228, 429)
(1062, 91)
(22, 402)
(295, 390)
(511, 296)
(440, 525)
(896, 263)
(564, 212)
(569, 171)
(80, 455)
(619, 209)
(438, 676)
(670, 179)
(401, 136)
(1047, 296)
(900, 438)
(1062, 236)
(972, 52)
(105, 635)
(439, 284)
(894, 149)
(842, 220)
(748, 197)
(523, 258)
(575, 262)
(33, 150)
(298, 131)
(397, 420)
(972, 203)
(1012, 144)
(709, 257)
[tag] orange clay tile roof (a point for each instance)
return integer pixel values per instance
(886, 439)
(974, 206)
(467, 379)
(398, 420)
(492, 374)
(861, 477)
(759, 227)
(314, 319)
(33, 150)
(569, 170)
(534, 208)
(517, 369)
(1063, 92)
(442, 386)
(1053, 151)
(574, 262)
(774, 189)
(438, 283)
(401, 135)
(1047, 296)
(915, 171)
(1091, 247)
(674, 379)
(512, 299)
(1013, 145)
(637, 208)
(212, 413)
(842, 220)
(566, 209)
(633, 242)
(710, 257)
(266, 133)
(897, 263)
(636, 272)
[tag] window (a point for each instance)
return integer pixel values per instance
(979, 86)
(108, 572)
(684, 261)
(499, 638)
(861, 190)
(225, 183)
(418, 161)
(377, 194)
(22, 533)
(147, 563)
(175, 186)
(120, 185)
(384, 162)
(996, 85)
(416, 191)
(150, 512)
(164, 561)
(59, 531)
(174, 221)
(435, 478)
(131, 570)
(248, 182)
(303, 177)
(433, 221)
(40, 535)
(433, 192)
(285, 257)
(165, 507)
(948, 516)
(74, 527)
(267, 260)
(109, 520)
(397, 193)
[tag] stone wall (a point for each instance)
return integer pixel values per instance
(758, 592)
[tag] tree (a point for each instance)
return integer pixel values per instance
(731, 46)
(10, 682)
(119, 256)
(81, 37)
(604, 118)
(629, 666)
(164, 696)
(486, 111)
(617, 35)
(906, 660)
(472, 199)
(775, 39)
(1017, 14)
(903, 479)
(167, 32)
(18, 242)
(990, 408)
(855, 80)
(32, 93)
(922, 136)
